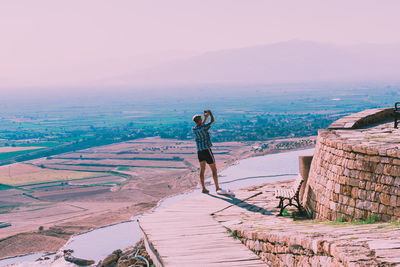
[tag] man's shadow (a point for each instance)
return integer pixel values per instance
(242, 204)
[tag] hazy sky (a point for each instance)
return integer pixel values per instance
(70, 42)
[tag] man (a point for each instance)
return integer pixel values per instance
(204, 153)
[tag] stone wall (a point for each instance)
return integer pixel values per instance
(363, 118)
(287, 249)
(353, 180)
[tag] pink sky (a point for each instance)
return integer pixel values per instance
(69, 42)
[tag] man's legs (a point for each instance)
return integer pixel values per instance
(202, 171)
(215, 175)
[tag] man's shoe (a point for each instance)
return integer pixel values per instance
(205, 191)
(225, 192)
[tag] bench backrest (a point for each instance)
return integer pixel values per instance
(297, 184)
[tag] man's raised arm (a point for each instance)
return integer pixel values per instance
(206, 114)
(211, 115)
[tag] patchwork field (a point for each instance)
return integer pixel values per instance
(152, 153)
(21, 174)
(5, 149)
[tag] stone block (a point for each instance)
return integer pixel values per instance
(370, 195)
(346, 190)
(382, 152)
(344, 199)
(343, 180)
(387, 169)
(368, 205)
(396, 211)
(386, 189)
(367, 185)
(359, 165)
(347, 147)
(375, 177)
(382, 209)
(354, 182)
(376, 197)
(349, 211)
(369, 166)
(257, 245)
(390, 211)
(378, 187)
(386, 179)
(375, 159)
(362, 204)
(360, 157)
(337, 188)
(396, 181)
(385, 217)
(360, 149)
(391, 153)
(362, 194)
(361, 184)
(333, 205)
(341, 209)
(396, 161)
(355, 174)
(354, 192)
(375, 207)
(254, 235)
(373, 185)
(379, 168)
(352, 202)
(329, 185)
(303, 261)
(365, 176)
(387, 160)
(395, 171)
(372, 151)
(384, 199)
(393, 201)
(317, 246)
(335, 197)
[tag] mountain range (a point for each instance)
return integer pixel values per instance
(285, 62)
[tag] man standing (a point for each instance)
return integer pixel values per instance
(204, 153)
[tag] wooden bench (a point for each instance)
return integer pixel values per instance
(396, 113)
(290, 194)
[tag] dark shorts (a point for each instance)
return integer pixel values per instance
(206, 155)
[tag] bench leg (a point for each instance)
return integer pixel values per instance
(280, 203)
(281, 211)
(298, 204)
(281, 207)
(284, 207)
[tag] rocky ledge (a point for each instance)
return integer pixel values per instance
(130, 257)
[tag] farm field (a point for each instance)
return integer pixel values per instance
(21, 174)
(6, 149)
(152, 153)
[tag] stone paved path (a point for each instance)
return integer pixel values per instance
(185, 234)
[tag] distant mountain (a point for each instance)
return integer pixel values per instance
(291, 61)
